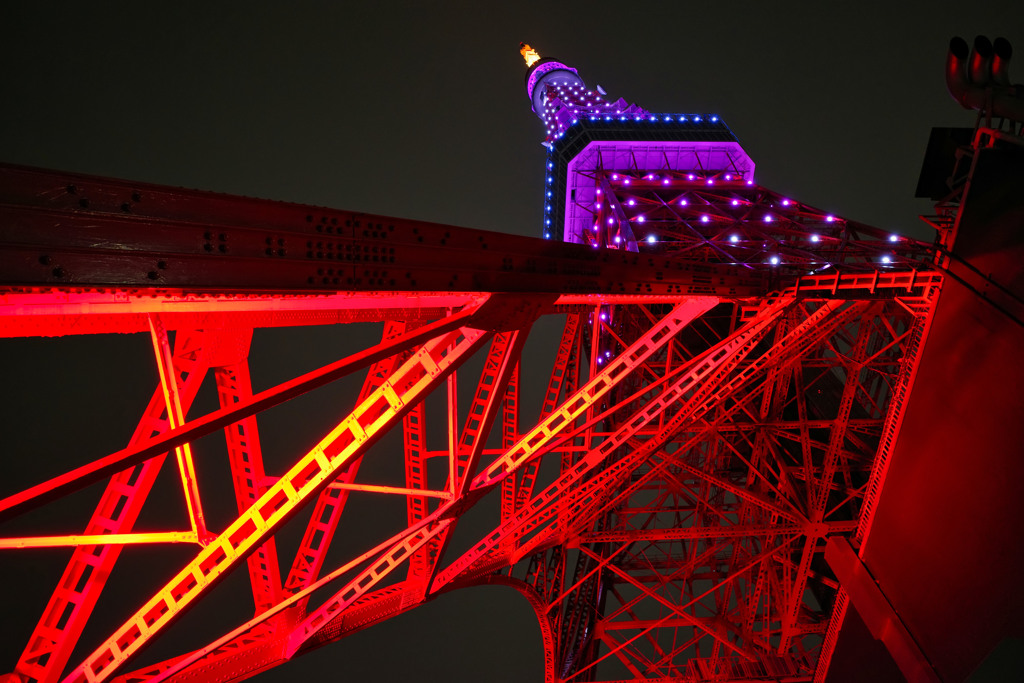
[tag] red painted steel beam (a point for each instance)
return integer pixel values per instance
(175, 418)
(464, 454)
(544, 506)
(73, 600)
(330, 504)
(509, 436)
(218, 419)
(179, 238)
(414, 444)
(877, 612)
(248, 641)
(532, 444)
(245, 458)
(429, 366)
(560, 381)
(56, 311)
(98, 539)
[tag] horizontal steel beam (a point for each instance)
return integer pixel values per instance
(99, 539)
(67, 230)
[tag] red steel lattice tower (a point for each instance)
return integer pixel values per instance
(729, 379)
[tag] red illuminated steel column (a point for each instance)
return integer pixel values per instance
(79, 589)
(246, 460)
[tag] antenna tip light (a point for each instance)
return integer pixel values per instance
(529, 54)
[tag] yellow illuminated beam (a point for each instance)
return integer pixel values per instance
(176, 418)
(99, 539)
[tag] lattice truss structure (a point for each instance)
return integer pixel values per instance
(721, 401)
(717, 217)
(664, 511)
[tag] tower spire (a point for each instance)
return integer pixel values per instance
(561, 98)
(528, 53)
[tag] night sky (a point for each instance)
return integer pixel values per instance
(417, 111)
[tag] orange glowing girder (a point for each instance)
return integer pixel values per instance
(663, 504)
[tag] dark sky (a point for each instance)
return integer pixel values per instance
(419, 111)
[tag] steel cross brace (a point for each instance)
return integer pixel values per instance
(819, 494)
(532, 443)
(559, 378)
(51, 643)
(483, 410)
(430, 365)
(553, 501)
(245, 458)
(678, 611)
(143, 449)
(248, 638)
(487, 400)
(176, 417)
(330, 503)
(810, 332)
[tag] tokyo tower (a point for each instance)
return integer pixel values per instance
(690, 500)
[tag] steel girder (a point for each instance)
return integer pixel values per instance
(664, 503)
